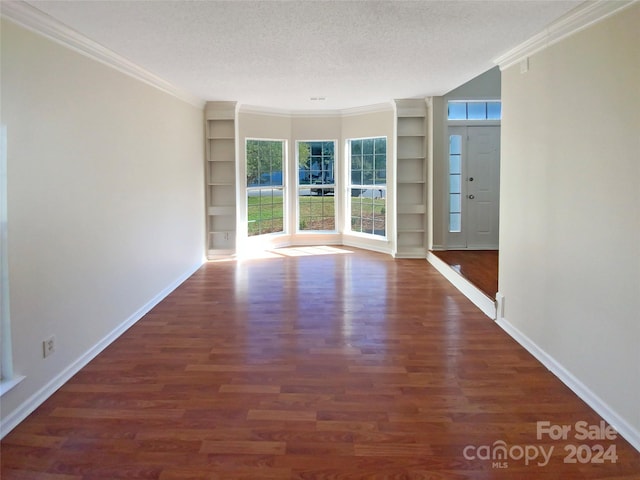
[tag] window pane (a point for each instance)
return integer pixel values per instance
(264, 162)
(457, 111)
(455, 144)
(477, 110)
(264, 211)
(367, 162)
(356, 204)
(381, 146)
(367, 146)
(322, 215)
(454, 164)
(494, 110)
(368, 211)
(356, 177)
(304, 162)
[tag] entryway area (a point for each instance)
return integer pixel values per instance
(474, 187)
(467, 191)
(479, 267)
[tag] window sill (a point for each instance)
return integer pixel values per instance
(6, 385)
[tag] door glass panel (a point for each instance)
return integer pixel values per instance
(454, 164)
(455, 144)
(455, 183)
(455, 223)
(455, 205)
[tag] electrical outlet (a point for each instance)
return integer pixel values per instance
(48, 346)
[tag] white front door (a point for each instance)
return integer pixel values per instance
(474, 187)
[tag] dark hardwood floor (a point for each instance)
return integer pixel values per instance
(480, 267)
(344, 365)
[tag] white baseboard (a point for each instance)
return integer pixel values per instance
(10, 421)
(421, 255)
(479, 299)
(373, 245)
(631, 434)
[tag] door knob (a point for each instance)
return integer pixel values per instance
(471, 197)
(471, 179)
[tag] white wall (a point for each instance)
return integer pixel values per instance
(106, 204)
(376, 124)
(570, 212)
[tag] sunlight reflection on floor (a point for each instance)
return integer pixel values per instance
(294, 252)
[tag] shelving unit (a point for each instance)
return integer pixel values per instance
(221, 178)
(411, 147)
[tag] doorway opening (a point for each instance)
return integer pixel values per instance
(472, 193)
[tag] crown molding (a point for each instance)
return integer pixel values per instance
(578, 19)
(367, 109)
(31, 18)
(283, 112)
(347, 112)
(412, 107)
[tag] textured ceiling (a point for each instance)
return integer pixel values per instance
(279, 54)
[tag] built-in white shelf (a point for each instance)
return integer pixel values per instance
(411, 154)
(220, 118)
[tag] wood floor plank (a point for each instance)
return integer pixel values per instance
(243, 447)
(344, 365)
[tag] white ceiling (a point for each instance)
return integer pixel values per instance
(279, 54)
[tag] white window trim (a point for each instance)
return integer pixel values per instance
(243, 224)
(348, 187)
(7, 380)
(335, 186)
(466, 122)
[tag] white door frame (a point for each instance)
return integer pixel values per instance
(460, 240)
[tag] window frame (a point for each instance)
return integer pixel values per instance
(333, 186)
(349, 186)
(260, 188)
(8, 378)
(466, 102)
